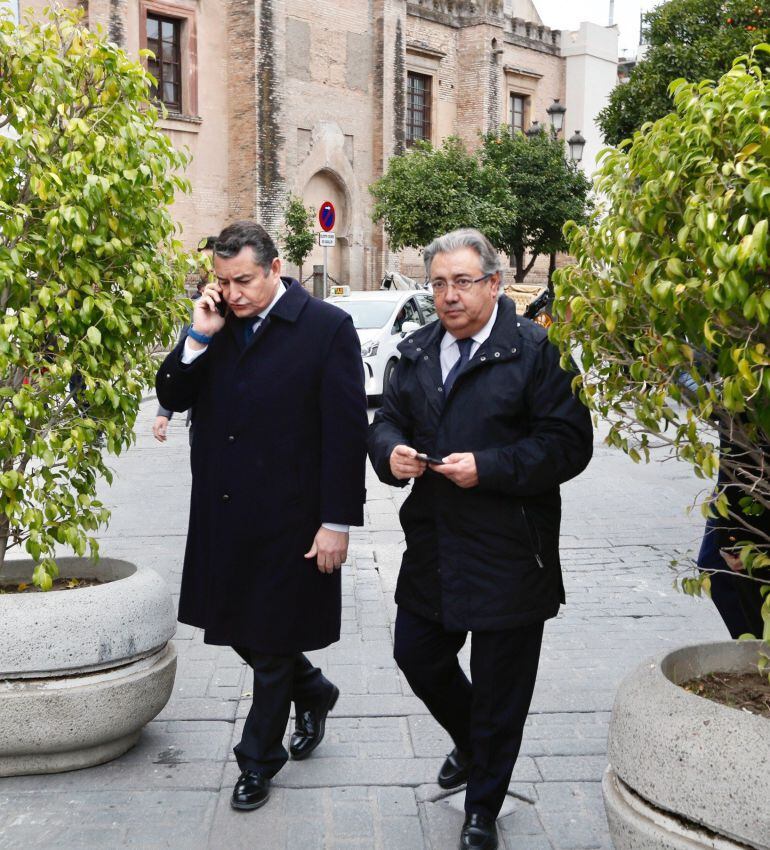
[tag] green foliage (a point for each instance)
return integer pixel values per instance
(518, 191)
(427, 192)
(90, 273)
(669, 299)
(298, 238)
(692, 39)
(546, 188)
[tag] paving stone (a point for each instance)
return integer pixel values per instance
(401, 833)
(396, 802)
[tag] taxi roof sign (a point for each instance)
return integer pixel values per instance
(340, 291)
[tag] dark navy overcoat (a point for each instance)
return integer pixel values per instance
(279, 448)
(484, 558)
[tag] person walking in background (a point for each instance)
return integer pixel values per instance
(163, 416)
(482, 417)
(278, 464)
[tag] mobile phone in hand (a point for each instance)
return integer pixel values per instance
(428, 459)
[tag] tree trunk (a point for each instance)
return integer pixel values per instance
(300, 274)
(4, 533)
(518, 260)
(551, 270)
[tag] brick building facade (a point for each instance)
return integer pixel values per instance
(313, 97)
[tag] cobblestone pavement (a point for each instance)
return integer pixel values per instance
(372, 782)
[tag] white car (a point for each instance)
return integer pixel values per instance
(383, 319)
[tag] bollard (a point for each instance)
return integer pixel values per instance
(318, 282)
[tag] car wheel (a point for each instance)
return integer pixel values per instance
(387, 375)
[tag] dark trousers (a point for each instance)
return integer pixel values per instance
(737, 599)
(279, 680)
(485, 719)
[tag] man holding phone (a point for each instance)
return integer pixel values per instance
(482, 417)
(278, 466)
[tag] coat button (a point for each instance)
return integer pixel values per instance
(425, 357)
(440, 389)
(482, 359)
(231, 438)
(225, 497)
(513, 351)
(418, 349)
(168, 376)
(497, 354)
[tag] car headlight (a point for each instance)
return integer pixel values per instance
(369, 349)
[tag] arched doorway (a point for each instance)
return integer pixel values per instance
(323, 186)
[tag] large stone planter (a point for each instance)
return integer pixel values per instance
(82, 671)
(686, 773)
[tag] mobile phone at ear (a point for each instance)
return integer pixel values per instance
(222, 307)
(428, 459)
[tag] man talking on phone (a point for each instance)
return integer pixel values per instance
(482, 417)
(278, 466)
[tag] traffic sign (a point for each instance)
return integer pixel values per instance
(327, 216)
(327, 240)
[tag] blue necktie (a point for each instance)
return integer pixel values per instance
(250, 328)
(465, 352)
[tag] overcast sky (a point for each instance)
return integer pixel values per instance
(559, 14)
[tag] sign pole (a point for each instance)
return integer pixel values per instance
(326, 218)
(326, 286)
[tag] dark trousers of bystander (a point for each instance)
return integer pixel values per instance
(485, 719)
(736, 597)
(279, 680)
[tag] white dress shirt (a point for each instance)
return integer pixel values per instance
(189, 355)
(450, 351)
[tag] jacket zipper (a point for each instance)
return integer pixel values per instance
(535, 548)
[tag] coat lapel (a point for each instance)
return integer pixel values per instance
(424, 350)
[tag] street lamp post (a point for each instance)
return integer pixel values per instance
(534, 131)
(576, 146)
(556, 113)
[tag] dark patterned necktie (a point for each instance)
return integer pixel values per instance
(465, 352)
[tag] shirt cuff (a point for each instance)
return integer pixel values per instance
(189, 354)
(333, 526)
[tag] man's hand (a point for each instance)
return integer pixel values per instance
(459, 467)
(733, 561)
(330, 548)
(205, 319)
(404, 463)
(160, 428)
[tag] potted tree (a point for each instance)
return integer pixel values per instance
(90, 273)
(668, 302)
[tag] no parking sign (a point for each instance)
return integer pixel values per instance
(327, 216)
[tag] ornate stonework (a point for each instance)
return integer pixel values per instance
(462, 8)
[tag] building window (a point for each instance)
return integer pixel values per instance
(163, 38)
(169, 30)
(418, 107)
(519, 108)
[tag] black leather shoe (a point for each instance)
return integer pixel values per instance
(454, 771)
(479, 833)
(251, 791)
(309, 727)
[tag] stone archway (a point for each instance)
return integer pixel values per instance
(325, 172)
(324, 185)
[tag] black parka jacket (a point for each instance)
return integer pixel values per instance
(487, 557)
(279, 448)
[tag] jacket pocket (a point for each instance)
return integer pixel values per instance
(534, 537)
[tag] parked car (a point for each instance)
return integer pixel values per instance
(382, 319)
